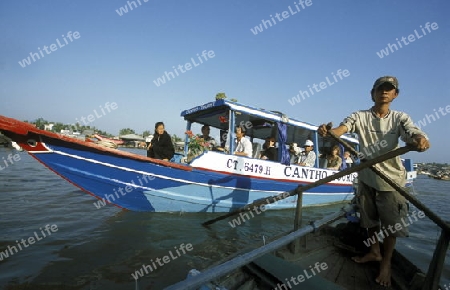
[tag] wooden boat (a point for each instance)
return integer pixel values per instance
(319, 257)
(213, 182)
(323, 262)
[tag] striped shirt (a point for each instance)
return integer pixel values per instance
(378, 136)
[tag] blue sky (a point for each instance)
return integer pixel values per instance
(117, 58)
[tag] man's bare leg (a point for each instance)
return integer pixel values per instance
(384, 278)
(374, 254)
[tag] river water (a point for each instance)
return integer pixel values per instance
(88, 248)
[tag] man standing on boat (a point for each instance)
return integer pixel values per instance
(379, 129)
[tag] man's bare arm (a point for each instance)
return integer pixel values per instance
(323, 131)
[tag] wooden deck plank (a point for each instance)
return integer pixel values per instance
(371, 274)
(360, 279)
(342, 270)
(346, 276)
(336, 263)
(285, 271)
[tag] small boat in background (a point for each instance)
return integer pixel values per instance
(104, 143)
(110, 140)
(442, 177)
(107, 143)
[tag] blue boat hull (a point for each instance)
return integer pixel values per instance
(139, 183)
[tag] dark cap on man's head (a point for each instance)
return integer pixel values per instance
(386, 79)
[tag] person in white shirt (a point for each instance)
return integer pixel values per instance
(308, 156)
(243, 146)
(347, 159)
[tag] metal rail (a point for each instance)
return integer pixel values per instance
(233, 264)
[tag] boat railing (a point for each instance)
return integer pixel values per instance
(431, 280)
(241, 260)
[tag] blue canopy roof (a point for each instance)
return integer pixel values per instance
(216, 114)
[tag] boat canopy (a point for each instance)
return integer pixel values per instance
(259, 123)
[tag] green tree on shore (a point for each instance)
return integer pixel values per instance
(175, 138)
(58, 126)
(40, 122)
(126, 131)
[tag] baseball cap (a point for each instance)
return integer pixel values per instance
(308, 143)
(386, 79)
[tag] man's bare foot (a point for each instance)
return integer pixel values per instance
(384, 278)
(369, 257)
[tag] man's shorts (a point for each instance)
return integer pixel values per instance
(386, 207)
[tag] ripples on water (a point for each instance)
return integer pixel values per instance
(100, 248)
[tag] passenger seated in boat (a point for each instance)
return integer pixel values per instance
(161, 146)
(294, 152)
(205, 136)
(348, 160)
(334, 161)
(270, 152)
(308, 156)
(243, 146)
(266, 144)
(264, 147)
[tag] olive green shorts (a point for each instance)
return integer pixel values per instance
(389, 208)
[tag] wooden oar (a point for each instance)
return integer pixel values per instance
(300, 188)
(434, 217)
